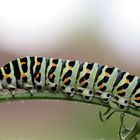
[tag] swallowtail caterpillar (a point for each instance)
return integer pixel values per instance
(119, 89)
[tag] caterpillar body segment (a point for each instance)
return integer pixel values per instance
(9, 80)
(39, 70)
(123, 88)
(135, 96)
(17, 72)
(69, 76)
(85, 80)
(25, 72)
(105, 79)
(53, 72)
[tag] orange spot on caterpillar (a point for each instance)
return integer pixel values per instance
(37, 76)
(83, 82)
(66, 80)
(23, 75)
(37, 63)
(138, 98)
(88, 70)
(51, 75)
(6, 68)
(121, 91)
(23, 63)
(127, 81)
(53, 64)
(6, 76)
(70, 67)
(101, 86)
(107, 74)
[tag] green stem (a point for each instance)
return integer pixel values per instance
(60, 96)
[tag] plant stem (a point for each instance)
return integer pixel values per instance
(60, 96)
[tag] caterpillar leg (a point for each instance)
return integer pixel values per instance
(29, 88)
(31, 91)
(12, 89)
(12, 93)
(87, 94)
(39, 86)
(69, 91)
(128, 134)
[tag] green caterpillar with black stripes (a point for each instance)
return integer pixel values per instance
(113, 86)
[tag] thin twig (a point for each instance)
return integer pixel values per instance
(60, 96)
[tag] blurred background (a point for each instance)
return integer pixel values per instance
(106, 32)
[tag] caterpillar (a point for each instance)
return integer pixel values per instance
(113, 86)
